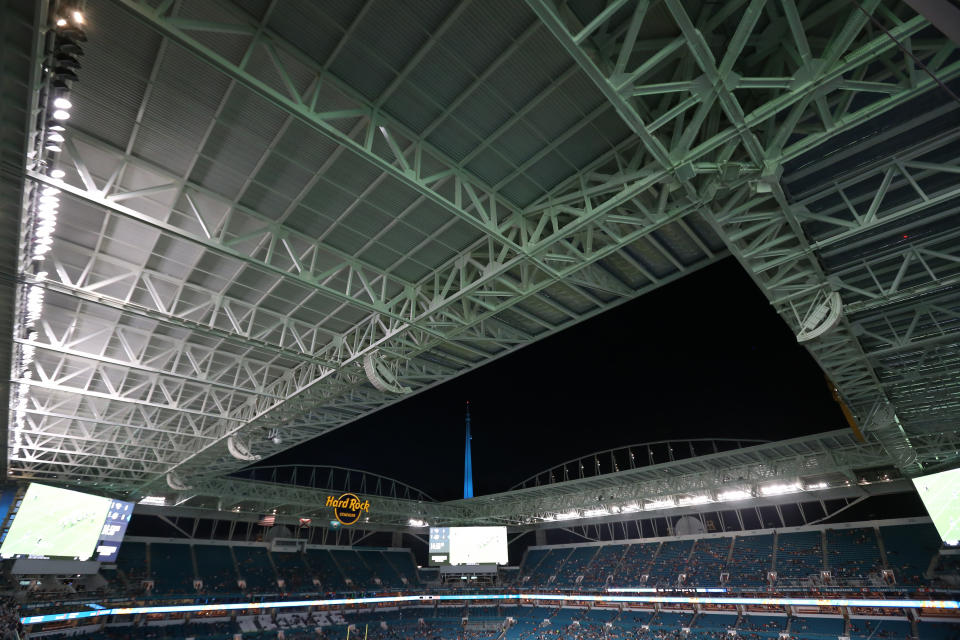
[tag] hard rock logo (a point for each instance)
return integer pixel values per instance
(348, 507)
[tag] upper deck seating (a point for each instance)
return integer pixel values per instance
(292, 568)
(707, 562)
(575, 566)
(255, 569)
(853, 553)
(910, 547)
(530, 562)
(215, 566)
(799, 555)
(132, 560)
(635, 562)
(354, 568)
(751, 561)
(172, 568)
(548, 567)
(402, 562)
(380, 568)
(669, 563)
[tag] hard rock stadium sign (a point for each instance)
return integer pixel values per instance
(348, 508)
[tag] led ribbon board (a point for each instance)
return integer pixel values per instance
(825, 602)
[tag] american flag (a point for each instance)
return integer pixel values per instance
(267, 521)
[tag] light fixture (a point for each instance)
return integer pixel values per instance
(735, 494)
(66, 44)
(60, 114)
(53, 136)
(55, 127)
(61, 22)
(64, 59)
(78, 17)
(50, 191)
(779, 489)
(64, 74)
(62, 103)
(58, 173)
(659, 504)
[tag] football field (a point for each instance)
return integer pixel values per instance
(57, 523)
(940, 493)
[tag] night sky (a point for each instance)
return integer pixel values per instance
(706, 356)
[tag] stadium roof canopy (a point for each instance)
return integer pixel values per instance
(279, 216)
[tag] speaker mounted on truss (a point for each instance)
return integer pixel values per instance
(381, 377)
(176, 483)
(823, 317)
(239, 450)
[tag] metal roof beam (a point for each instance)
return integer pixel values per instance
(611, 71)
(767, 229)
(470, 200)
(414, 353)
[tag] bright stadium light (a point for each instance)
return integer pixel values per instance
(735, 494)
(154, 500)
(664, 503)
(780, 489)
(417, 523)
(593, 513)
(689, 500)
(569, 515)
(816, 485)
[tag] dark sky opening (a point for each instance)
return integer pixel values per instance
(706, 356)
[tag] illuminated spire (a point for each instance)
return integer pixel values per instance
(467, 464)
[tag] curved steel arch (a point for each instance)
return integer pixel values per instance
(622, 458)
(335, 478)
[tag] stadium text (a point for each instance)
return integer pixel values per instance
(348, 507)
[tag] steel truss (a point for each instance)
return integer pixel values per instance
(776, 90)
(816, 507)
(181, 318)
(830, 464)
(484, 302)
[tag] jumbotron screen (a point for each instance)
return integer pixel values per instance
(54, 523)
(940, 493)
(468, 545)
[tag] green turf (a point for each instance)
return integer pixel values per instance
(939, 493)
(57, 523)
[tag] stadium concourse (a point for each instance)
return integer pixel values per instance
(233, 226)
